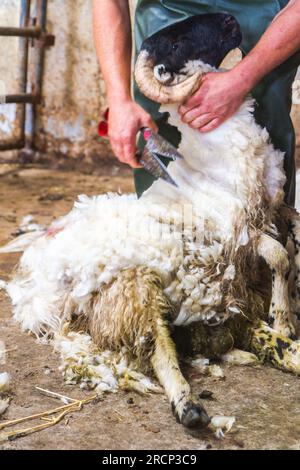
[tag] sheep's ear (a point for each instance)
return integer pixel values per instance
(228, 24)
(231, 32)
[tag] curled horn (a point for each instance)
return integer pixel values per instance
(156, 91)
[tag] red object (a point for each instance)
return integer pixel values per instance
(147, 134)
(106, 114)
(103, 125)
(103, 128)
(52, 231)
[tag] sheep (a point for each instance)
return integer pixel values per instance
(187, 265)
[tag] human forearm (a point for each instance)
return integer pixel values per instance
(112, 35)
(277, 44)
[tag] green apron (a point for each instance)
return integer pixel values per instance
(272, 95)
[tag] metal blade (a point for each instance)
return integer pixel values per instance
(159, 145)
(155, 166)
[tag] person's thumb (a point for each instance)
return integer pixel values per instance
(148, 122)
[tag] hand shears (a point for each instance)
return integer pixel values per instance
(156, 146)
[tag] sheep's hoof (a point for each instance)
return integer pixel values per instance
(194, 416)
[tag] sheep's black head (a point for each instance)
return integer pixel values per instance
(178, 52)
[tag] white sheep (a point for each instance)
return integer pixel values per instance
(124, 270)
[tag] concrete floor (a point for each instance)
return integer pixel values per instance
(265, 402)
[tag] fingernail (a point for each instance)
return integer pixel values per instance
(147, 134)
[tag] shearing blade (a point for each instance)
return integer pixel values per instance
(155, 166)
(159, 145)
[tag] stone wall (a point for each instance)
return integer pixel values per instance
(9, 72)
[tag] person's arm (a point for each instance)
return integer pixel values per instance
(221, 94)
(112, 34)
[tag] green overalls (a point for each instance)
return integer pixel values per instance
(272, 95)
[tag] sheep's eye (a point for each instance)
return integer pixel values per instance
(175, 47)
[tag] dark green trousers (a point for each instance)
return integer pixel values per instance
(272, 95)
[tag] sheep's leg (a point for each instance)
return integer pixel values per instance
(133, 312)
(277, 259)
(294, 233)
(271, 346)
(166, 367)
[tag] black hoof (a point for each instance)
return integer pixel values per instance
(194, 416)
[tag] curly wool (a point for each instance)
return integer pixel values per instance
(225, 180)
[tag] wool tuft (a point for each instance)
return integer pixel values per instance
(103, 371)
(4, 382)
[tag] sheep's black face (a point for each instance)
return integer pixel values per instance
(174, 50)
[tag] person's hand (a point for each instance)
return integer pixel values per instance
(125, 120)
(218, 97)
